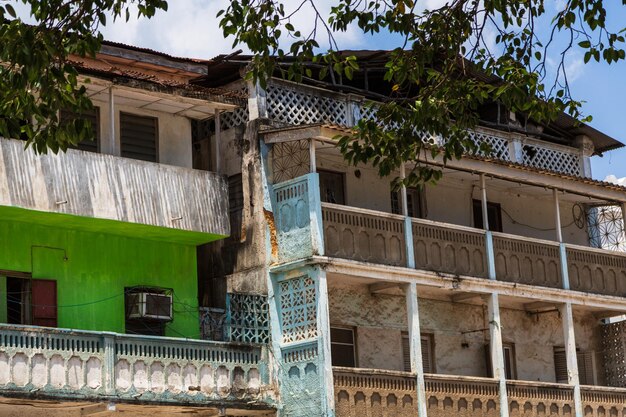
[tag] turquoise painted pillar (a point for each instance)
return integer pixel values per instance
(301, 333)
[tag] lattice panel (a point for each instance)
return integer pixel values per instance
(235, 118)
(248, 318)
(212, 321)
(290, 160)
(606, 228)
(614, 348)
(293, 107)
(298, 310)
(551, 159)
(499, 146)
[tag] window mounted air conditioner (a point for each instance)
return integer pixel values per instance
(146, 305)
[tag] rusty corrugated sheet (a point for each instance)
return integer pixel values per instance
(109, 187)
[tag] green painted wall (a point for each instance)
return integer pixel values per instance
(92, 269)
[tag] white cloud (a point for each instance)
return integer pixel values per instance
(612, 178)
(191, 28)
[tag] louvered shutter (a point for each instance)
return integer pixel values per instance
(560, 365)
(427, 355)
(585, 368)
(93, 116)
(406, 352)
(138, 137)
(427, 362)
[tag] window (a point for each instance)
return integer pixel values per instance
(93, 116)
(332, 187)
(510, 365)
(413, 202)
(428, 352)
(139, 137)
(31, 301)
(342, 346)
(586, 366)
(494, 215)
(510, 370)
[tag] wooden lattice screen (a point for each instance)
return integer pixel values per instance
(614, 348)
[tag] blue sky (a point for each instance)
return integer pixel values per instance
(190, 28)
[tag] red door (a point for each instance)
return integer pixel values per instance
(44, 302)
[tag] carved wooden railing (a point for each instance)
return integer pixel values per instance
(370, 392)
(597, 271)
(62, 363)
(451, 249)
(378, 237)
(527, 261)
(603, 401)
(367, 392)
(540, 399)
(363, 235)
(451, 396)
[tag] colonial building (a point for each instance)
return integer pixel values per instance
(99, 295)
(210, 208)
(487, 294)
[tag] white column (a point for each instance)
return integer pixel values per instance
(408, 225)
(491, 259)
(496, 351)
(218, 136)
(323, 323)
(108, 365)
(114, 148)
(415, 343)
(559, 238)
(557, 216)
(312, 157)
(570, 354)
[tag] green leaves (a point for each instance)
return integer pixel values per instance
(432, 90)
(37, 80)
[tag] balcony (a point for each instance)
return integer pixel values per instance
(372, 392)
(381, 238)
(70, 364)
(96, 192)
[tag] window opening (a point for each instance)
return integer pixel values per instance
(139, 137)
(494, 215)
(332, 187)
(428, 350)
(342, 346)
(413, 202)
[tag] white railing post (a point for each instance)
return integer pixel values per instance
(570, 355)
(586, 152)
(516, 150)
(108, 365)
(415, 344)
(496, 351)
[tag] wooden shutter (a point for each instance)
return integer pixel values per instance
(93, 116)
(138, 137)
(406, 352)
(332, 187)
(427, 353)
(44, 302)
(586, 368)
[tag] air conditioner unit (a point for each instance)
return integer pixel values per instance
(146, 305)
